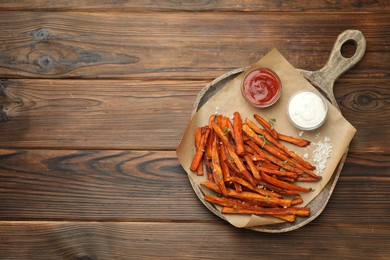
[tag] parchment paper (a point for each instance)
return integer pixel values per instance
(229, 99)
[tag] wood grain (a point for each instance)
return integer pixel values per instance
(374, 100)
(94, 98)
(200, 5)
(178, 45)
(152, 186)
(89, 240)
(96, 185)
(145, 114)
(76, 113)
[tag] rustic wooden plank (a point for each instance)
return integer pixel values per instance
(199, 5)
(365, 104)
(140, 114)
(96, 185)
(183, 45)
(360, 190)
(151, 186)
(85, 240)
(79, 113)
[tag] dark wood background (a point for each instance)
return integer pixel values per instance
(95, 96)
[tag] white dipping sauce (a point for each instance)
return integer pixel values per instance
(307, 110)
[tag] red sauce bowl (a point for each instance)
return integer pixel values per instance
(261, 87)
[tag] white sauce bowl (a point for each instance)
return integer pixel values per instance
(307, 110)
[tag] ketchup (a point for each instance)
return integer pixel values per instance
(261, 87)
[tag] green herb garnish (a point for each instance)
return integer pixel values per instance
(226, 130)
(263, 139)
(272, 122)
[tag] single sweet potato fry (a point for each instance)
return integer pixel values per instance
(198, 136)
(278, 190)
(278, 173)
(254, 188)
(200, 150)
(246, 195)
(267, 126)
(209, 142)
(231, 128)
(237, 125)
(296, 201)
(223, 201)
(252, 166)
(218, 131)
(286, 179)
(302, 212)
(197, 141)
(223, 158)
(210, 139)
(269, 165)
(282, 184)
(211, 186)
(307, 178)
(293, 140)
(288, 218)
(217, 171)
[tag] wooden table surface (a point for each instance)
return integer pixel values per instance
(95, 97)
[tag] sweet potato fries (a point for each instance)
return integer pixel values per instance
(249, 169)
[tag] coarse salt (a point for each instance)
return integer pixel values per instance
(322, 153)
(216, 110)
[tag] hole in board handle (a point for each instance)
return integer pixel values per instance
(348, 49)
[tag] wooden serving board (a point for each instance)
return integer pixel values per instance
(323, 80)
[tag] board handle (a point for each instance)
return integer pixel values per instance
(337, 64)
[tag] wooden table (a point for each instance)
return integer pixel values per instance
(95, 96)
